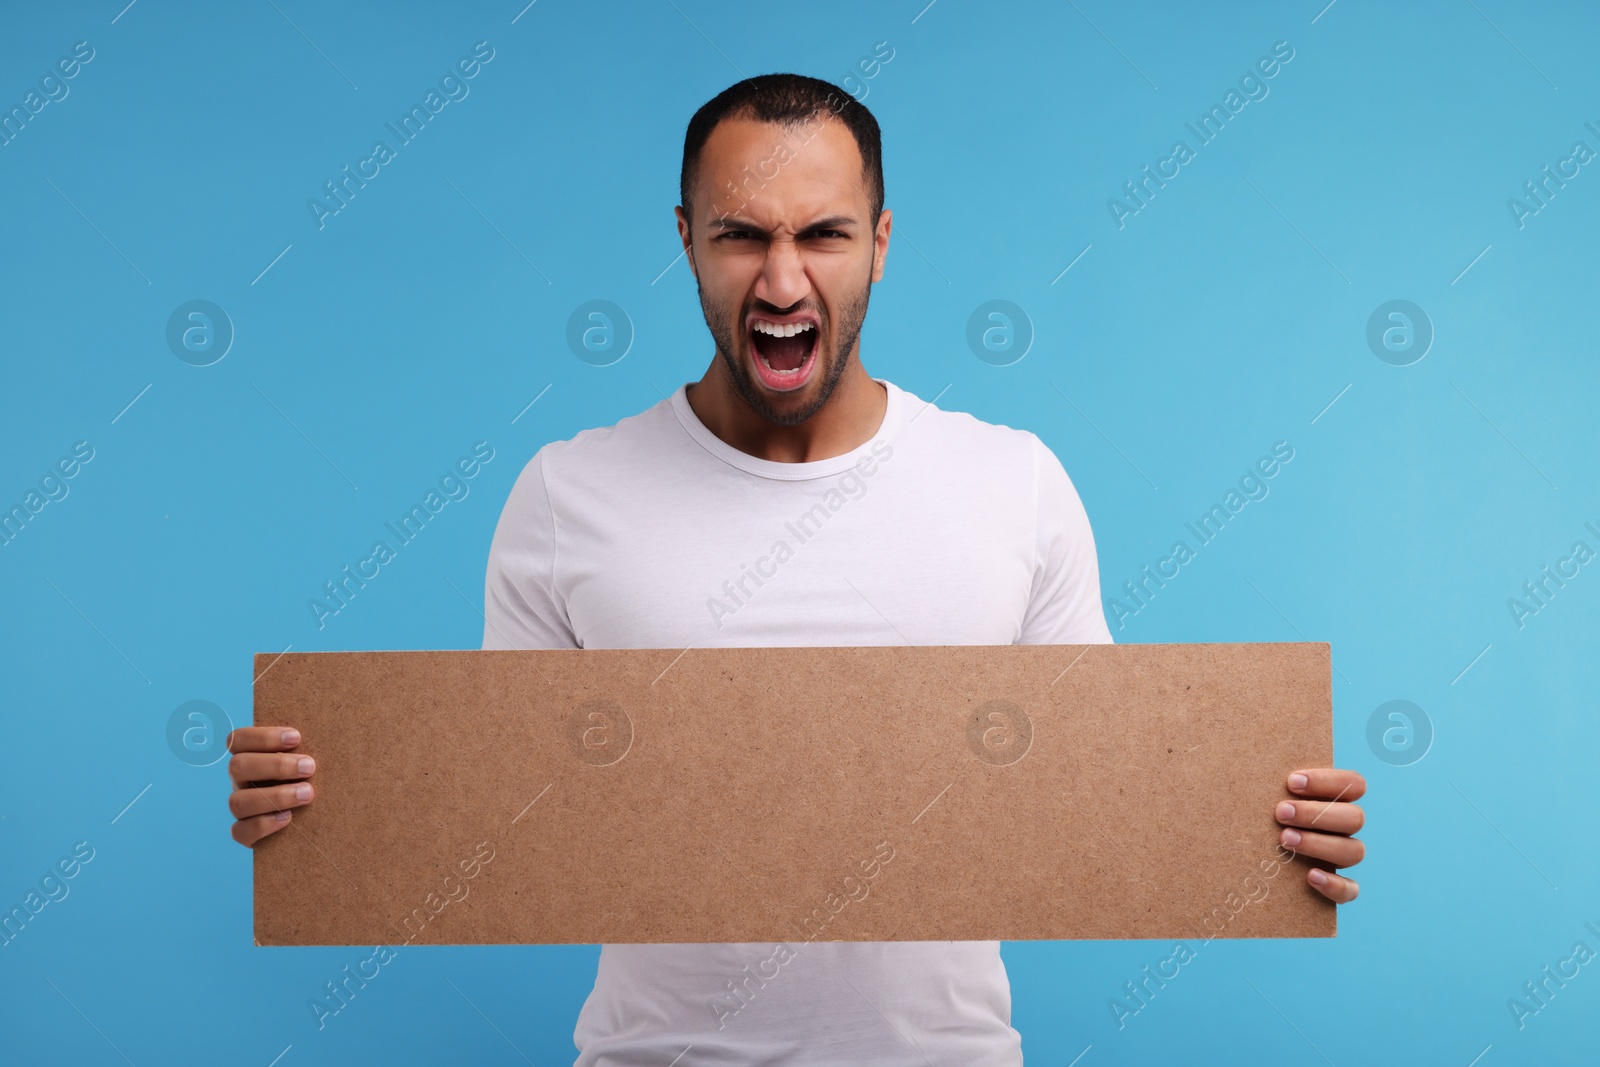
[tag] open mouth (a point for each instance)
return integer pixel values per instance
(785, 353)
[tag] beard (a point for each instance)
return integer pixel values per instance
(726, 324)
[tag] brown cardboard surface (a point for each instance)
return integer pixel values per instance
(788, 794)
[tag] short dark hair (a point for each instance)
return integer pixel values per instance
(789, 100)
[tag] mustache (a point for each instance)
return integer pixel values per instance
(780, 313)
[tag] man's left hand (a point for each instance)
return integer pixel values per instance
(1319, 822)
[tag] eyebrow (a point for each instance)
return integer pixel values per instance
(728, 222)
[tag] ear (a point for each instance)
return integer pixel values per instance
(880, 242)
(683, 235)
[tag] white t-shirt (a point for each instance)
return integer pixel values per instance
(654, 533)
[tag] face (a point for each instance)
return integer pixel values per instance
(784, 255)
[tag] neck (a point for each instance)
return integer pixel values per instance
(847, 421)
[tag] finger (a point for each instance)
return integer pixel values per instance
(1328, 782)
(249, 767)
(1330, 818)
(1336, 849)
(248, 831)
(263, 739)
(1337, 888)
(245, 803)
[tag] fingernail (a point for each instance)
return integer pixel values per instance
(1285, 810)
(302, 792)
(307, 765)
(1318, 876)
(1291, 838)
(291, 738)
(282, 816)
(1297, 782)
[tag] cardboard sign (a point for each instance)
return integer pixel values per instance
(793, 794)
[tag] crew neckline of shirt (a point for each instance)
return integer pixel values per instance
(894, 410)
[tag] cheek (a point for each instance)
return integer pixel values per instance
(720, 307)
(729, 289)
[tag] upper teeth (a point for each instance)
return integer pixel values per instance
(778, 329)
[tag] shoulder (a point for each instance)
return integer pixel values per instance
(1014, 463)
(960, 432)
(625, 442)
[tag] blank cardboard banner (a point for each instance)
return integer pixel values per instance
(905, 793)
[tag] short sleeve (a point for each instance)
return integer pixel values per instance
(1064, 602)
(521, 608)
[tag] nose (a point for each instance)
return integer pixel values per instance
(783, 282)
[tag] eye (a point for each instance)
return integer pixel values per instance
(732, 234)
(830, 233)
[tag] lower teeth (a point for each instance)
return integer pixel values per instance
(766, 363)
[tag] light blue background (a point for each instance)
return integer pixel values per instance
(1226, 315)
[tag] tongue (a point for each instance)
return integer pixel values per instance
(785, 353)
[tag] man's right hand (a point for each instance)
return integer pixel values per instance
(267, 780)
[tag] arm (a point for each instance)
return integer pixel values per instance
(1064, 601)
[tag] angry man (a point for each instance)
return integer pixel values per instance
(789, 498)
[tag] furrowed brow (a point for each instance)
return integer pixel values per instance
(733, 222)
(832, 222)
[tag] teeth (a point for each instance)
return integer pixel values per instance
(780, 329)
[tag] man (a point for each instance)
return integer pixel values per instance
(788, 498)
